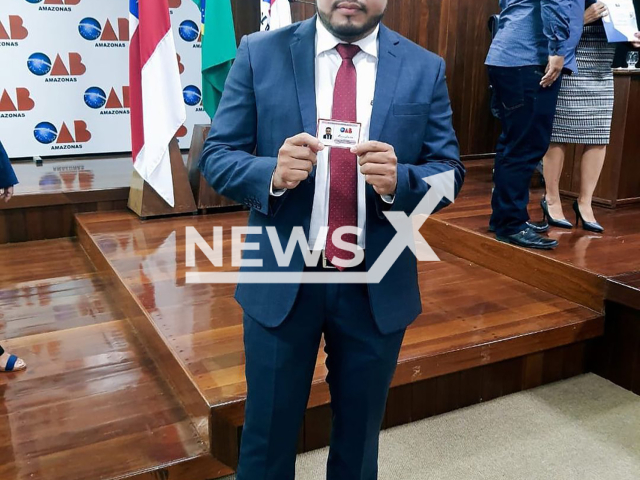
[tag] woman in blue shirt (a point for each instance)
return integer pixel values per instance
(8, 363)
(583, 116)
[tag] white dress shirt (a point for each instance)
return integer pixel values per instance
(327, 63)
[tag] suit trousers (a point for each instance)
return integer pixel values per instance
(280, 364)
(526, 112)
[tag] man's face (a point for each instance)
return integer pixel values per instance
(328, 131)
(351, 20)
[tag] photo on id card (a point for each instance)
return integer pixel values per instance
(338, 134)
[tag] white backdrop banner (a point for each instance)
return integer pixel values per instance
(64, 75)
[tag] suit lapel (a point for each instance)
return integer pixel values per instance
(387, 78)
(303, 56)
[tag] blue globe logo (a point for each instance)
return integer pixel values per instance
(34, 1)
(90, 28)
(39, 64)
(192, 95)
(95, 97)
(189, 31)
(45, 132)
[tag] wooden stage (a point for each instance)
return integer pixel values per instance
(47, 197)
(472, 318)
(587, 268)
(153, 368)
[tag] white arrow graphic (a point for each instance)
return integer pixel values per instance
(407, 234)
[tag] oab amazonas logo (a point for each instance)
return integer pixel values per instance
(113, 34)
(65, 68)
(116, 103)
(12, 30)
(192, 97)
(189, 31)
(15, 102)
(54, 5)
(62, 138)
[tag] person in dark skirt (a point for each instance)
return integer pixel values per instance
(583, 116)
(8, 362)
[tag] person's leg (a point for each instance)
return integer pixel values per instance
(279, 369)
(590, 169)
(361, 362)
(552, 170)
(526, 114)
(498, 159)
(498, 110)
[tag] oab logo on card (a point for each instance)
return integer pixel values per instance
(334, 133)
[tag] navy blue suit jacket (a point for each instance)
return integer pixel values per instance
(269, 96)
(7, 175)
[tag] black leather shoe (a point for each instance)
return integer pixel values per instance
(563, 223)
(528, 238)
(588, 226)
(538, 227)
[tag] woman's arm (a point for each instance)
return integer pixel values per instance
(7, 176)
(595, 12)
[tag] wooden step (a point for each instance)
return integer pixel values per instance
(586, 268)
(473, 318)
(91, 404)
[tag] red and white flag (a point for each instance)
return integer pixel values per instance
(274, 14)
(157, 106)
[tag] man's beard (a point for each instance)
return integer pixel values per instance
(350, 32)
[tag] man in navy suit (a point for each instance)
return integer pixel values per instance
(342, 65)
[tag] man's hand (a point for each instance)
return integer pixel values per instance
(636, 42)
(6, 193)
(595, 12)
(553, 71)
(379, 165)
(296, 159)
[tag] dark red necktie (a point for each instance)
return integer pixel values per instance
(343, 186)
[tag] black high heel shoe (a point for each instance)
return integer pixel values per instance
(588, 226)
(552, 221)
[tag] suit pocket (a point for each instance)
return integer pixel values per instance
(411, 109)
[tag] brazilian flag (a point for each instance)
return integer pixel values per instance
(218, 50)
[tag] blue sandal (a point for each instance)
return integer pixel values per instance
(11, 363)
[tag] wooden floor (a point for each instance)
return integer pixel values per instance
(472, 316)
(588, 263)
(91, 405)
(613, 253)
(144, 374)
